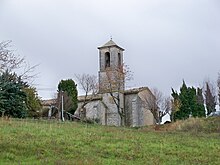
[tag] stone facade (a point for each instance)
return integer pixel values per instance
(102, 107)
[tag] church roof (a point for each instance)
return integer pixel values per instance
(89, 98)
(135, 90)
(110, 43)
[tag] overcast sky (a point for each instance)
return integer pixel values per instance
(165, 41)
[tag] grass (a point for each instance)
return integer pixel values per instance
(44, 142)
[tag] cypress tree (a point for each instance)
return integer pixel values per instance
(209, 100)
(175, 104)
(191, 102)
(200, 108)
(184, 111)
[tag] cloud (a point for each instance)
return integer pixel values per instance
(164, 41)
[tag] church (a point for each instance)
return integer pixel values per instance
(114, 105)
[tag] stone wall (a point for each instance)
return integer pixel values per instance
(135, 112)
(94, 110)
(129, 101)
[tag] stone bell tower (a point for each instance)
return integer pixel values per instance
(111, 81)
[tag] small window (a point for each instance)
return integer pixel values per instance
(107, 59)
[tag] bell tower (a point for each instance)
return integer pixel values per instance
(111, 82)
(111, 75)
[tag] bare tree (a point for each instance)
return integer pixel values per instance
(88, 83)
(8, 60)
(210, 97)
(218, 86)
(157, 104)
(166, 107)
(114, 84)
(13, 62)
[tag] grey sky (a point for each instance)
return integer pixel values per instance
(165, 41)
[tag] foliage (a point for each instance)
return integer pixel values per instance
(12, 95)
(176, 103)
(69, 87)
(32, 101)
(16, 97)
(191, 103)
(44, 142)
(209, 99)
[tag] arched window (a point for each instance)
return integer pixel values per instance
(107, 59)
(119, 59)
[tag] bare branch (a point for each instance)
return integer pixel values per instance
(88, 83)
(8, 60)
(14, 63)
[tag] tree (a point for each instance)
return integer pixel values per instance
(69, 87)
(210, 98)
(175, 104)
(11, 62)
(200, 108)
(166, 107)
(12, 95)
(189, 102)
(156, 103)
(88, 83)
(15, 92)
(8, 60)
(32, 101)
(218, 85)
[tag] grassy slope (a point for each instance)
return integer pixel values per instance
(29, 142)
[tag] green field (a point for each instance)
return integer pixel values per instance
(44, 142)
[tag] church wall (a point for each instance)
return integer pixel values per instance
(136, 114)
(140, 112)
(130, 110)
(113, 118)
(148, 117)
(94, 110)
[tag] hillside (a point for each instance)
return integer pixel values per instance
(44, 142)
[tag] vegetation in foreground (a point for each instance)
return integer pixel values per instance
(44, 142)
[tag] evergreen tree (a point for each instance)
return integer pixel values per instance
(209, 99)
(32, 101)
(190, 103)
(69, 87)
(200, 110)
(185, 108)
(175, 104)
(12, 96)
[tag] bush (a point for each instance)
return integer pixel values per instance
(206, 125)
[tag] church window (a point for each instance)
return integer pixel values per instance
(107, 59)
(119, 59)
